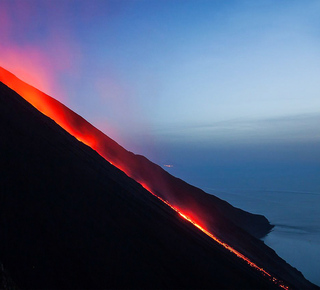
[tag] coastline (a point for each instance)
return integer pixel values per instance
(295, 236)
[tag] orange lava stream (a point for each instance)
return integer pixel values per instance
(226, 246)
(55, 110)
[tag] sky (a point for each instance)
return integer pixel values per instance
(192, 83)
(225, 92)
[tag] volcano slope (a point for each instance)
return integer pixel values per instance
(69, 219)
(214, 214)
(208, 210)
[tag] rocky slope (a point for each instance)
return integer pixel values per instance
(70, 219)
(206, 209)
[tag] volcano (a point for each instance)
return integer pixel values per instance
(77, 210)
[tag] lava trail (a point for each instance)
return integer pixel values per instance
(226, 246)
(89, 135)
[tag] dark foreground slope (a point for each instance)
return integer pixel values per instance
(69, 219)
(214, 214)
(208, 210)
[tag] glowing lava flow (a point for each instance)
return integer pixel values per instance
(89, 135)
(226, 246)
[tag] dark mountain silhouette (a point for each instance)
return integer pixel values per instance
(70, 219)
(204, 208)
(209, 211)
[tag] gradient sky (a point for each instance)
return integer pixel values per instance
(228, 92)
(159, 75)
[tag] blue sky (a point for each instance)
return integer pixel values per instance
(158, 75)
(228, 92)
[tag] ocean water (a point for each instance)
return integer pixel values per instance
(278, 179)
(296, 216)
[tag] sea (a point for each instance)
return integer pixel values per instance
(296, 219)
(291, 202)
(279, 179)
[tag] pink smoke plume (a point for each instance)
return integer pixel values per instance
(40, 63)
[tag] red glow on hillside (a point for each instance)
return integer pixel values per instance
(225, 245)
(108, 149)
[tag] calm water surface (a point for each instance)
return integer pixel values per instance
(278, 180)
(296, 216)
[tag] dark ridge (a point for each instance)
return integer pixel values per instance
(207, 209)
(71, 220)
